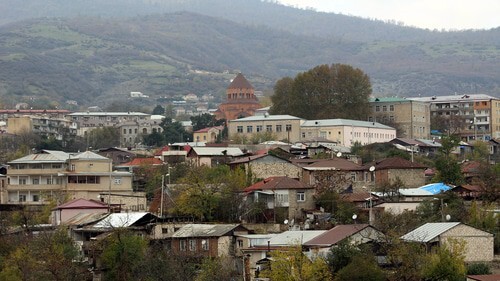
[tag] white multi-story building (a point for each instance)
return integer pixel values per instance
(346, 132)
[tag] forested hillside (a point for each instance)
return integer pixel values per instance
(134, 46)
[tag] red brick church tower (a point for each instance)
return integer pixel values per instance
(240, 102)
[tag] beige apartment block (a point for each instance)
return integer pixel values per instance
(479, 114)
(411, 118)
(346, 132)
(283, 127)
(47, 126)
(49, 175)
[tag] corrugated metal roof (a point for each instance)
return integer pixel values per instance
(85, 218)
(120, 220)
(428, 231)
(45, 156)
(389, 99)
(203, 230)
(414, 192)
(81, 203)
(218, 151)
(343, 122)
(336, 234)
(289, 238)
(89, 155)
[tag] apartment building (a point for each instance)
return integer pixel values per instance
(346, 132)
(48, 126)
(132, 125)
(56, 175)
(410, 118)
(283, 127)
(478, 114)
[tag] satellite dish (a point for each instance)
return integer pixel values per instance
(203, 242)
(354, 216)
(285, 222)
(448, 217)
(372, 168)
(339, 154)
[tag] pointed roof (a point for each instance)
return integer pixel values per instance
(89, 155)
(81, 203)
(240, 82)
(273, 183)
(206, 230)
(336, 234)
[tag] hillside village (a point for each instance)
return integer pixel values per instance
(408, 193)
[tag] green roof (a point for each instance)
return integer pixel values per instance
(389, 99)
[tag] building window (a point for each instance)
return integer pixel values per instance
(240, 243)
(204, 245)
(303, 134)
(301, 196)
(377, 108)
(288, 127)
(353, 177)
(278, 128)
(259, 128)
(130, 131)
(124, 131)
(370, 119)
(269, 128)
(249, 129)
(117, 180)
(22, 181)
(182, 245)
(56, 166)
(239, 129)
(384, 108)
(35, 181)
(22, 198)
(192, 245)
(49, 180)
(391, 107)
(36, 198)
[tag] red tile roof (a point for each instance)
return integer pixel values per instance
(143, 161)
(240, 82)
(471, 167)
(82, 204)
(274, 183)
(336, 234)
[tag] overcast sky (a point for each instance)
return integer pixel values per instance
(439, 14)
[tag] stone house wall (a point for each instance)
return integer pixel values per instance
(478, 243)
(412, 178)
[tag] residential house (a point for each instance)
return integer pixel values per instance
(117, 155)
(389, 170)
(346, 132)
(282, 127)
(141, 168)
(212, 156)
(410, 117)
(240, 100)
(36, 178)
(258, 254)
(354, 234)
(209, 134)
(284, 198)
(478, 243)
(202, 240)
(417, 146)
(468, 192)
(337, 173)
(494, 149)
(264, 166)
(68, 210)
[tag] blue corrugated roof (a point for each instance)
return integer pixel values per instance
(435, 188)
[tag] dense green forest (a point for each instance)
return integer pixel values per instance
(96, 53)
